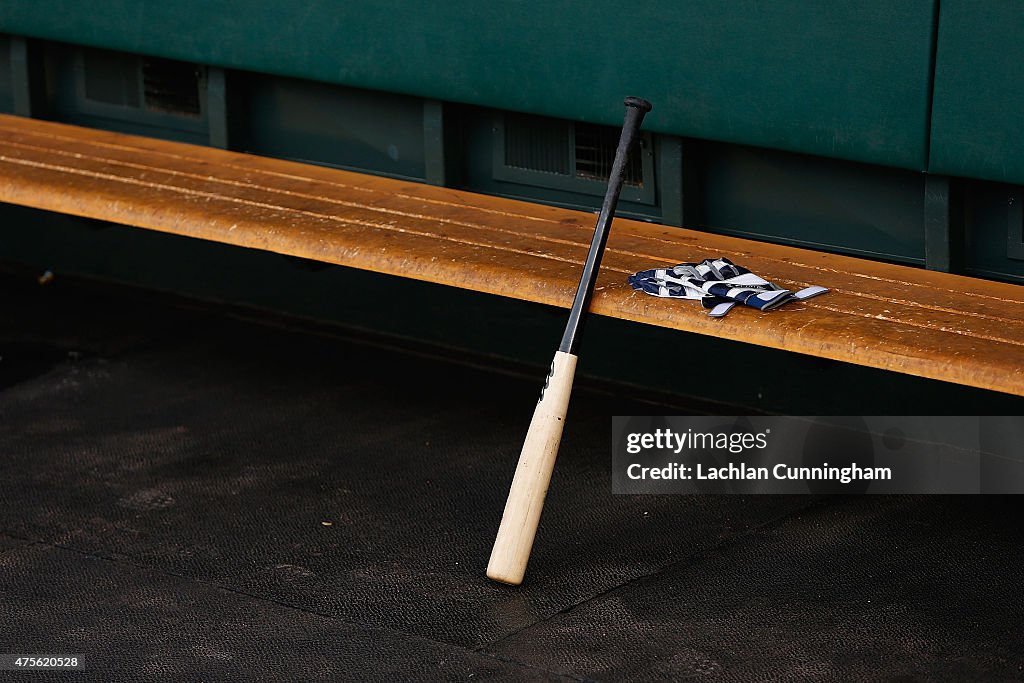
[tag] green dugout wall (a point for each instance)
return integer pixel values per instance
(848, 79)
(886, 130)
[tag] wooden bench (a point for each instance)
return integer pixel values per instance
(935, 325)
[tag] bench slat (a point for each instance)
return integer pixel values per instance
(896, 318)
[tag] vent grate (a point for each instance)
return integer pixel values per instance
(559, 156)
(536, 144)
(595, 153)
(171, 86)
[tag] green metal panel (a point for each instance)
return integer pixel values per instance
(994, 225)
(811, 202)
(844, 79)
(978, 112)
(322, 124)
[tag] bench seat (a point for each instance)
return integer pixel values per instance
(923, 323)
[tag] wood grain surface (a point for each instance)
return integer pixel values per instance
(935, 325)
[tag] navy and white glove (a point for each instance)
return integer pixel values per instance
(719, 284)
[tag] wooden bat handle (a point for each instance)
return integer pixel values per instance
(533, 473)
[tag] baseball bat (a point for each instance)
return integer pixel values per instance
(519, 522)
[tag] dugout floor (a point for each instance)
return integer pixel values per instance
(187, 495)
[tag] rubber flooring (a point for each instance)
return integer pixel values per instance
(191, 494)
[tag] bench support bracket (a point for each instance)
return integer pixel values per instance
(27, 78)
(943, 230)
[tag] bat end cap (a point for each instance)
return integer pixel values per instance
(638, 102)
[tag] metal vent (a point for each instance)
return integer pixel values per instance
(171, 86)
(536, 144)
(595, 153)
(554, 156)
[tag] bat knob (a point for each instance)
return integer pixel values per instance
(638, 102)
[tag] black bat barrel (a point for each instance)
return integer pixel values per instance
(636, 108)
